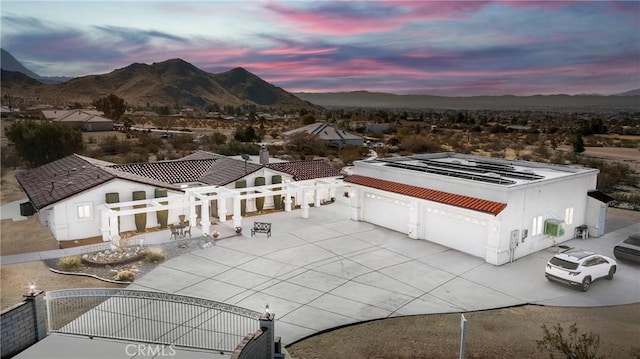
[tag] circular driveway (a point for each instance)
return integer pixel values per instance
(327, 270)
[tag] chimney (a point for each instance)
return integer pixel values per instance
(264, 155)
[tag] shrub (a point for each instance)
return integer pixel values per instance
(155, 255)
(583, 346)
(125, 275)
(70, 263)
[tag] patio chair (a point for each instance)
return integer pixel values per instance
(186, 231)
(175, 232)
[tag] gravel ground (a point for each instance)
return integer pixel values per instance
(502, 333)
(171, 249)
(15, 278)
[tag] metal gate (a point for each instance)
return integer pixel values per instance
(150, 317)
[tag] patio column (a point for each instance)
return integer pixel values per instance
(222, 209)
(316, 195)
(113, 225)
(205, 222)
(192, 209)
(104, 223)
(305, 204)
(237, 215)
(287, 197)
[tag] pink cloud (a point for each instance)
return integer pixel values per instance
(378, 17)
(297, 50)
(335, 23)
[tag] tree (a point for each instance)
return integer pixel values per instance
(40, 143)
(307, 119)
(112, 106)
(303, 143)
(572, 346)
(578, 144)
(247, 134)
(218, 138)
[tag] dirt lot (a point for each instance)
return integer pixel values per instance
(504, 333)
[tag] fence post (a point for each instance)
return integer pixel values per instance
(267, 321)
(36, 300)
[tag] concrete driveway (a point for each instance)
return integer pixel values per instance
(327, 271)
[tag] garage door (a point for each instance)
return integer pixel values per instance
(459, 232)
(386, 212)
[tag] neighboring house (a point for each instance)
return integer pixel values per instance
(69, 194)
(7, 109)
(495, 209)
(329, 134)
(85, 120)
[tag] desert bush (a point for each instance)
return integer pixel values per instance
(70, 263)
(570, 345)
(183, 142)
(419, 144)
(612, 174)
(125, 275)
(155, 255)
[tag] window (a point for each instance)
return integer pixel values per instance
(568, 215)
(84, 211)
(536, 226)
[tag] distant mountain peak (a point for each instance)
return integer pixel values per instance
(10, 63)
(174, 81)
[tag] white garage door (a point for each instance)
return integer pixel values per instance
(386, 212)
(458, 232)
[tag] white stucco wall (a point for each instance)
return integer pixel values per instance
(562, 192)
(546, 200)
(66, 225)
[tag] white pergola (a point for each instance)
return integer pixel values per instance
(203, 196)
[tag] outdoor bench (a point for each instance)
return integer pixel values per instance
(261, 227)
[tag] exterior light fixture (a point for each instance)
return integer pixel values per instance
(266, 309)
(32, 288)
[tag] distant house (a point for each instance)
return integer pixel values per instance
(329, 134)
(85, 120)
(69, 195)
(7, 109)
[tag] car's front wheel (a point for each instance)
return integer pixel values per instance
(586, 283)
(612, 270)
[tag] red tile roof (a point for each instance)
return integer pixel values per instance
(304, 170)
(457, 200)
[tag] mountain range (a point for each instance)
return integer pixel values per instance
(168, 83)
(625, 102)
(176, 82)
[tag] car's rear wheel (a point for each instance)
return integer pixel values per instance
(586, 283)
(612, 271)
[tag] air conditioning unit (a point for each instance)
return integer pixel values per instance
(553, 228)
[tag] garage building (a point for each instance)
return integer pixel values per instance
(496, 209)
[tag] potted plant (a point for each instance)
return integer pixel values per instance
(238, 230)
(215, 234)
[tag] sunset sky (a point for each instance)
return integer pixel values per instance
(405, 47)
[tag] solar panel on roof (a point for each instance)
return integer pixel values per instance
(451, 173)
(485, 168)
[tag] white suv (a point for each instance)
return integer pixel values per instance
(579, 268)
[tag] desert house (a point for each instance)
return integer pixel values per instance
(328, 134)
(73, 195)
(495, 209)
(82, 119)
